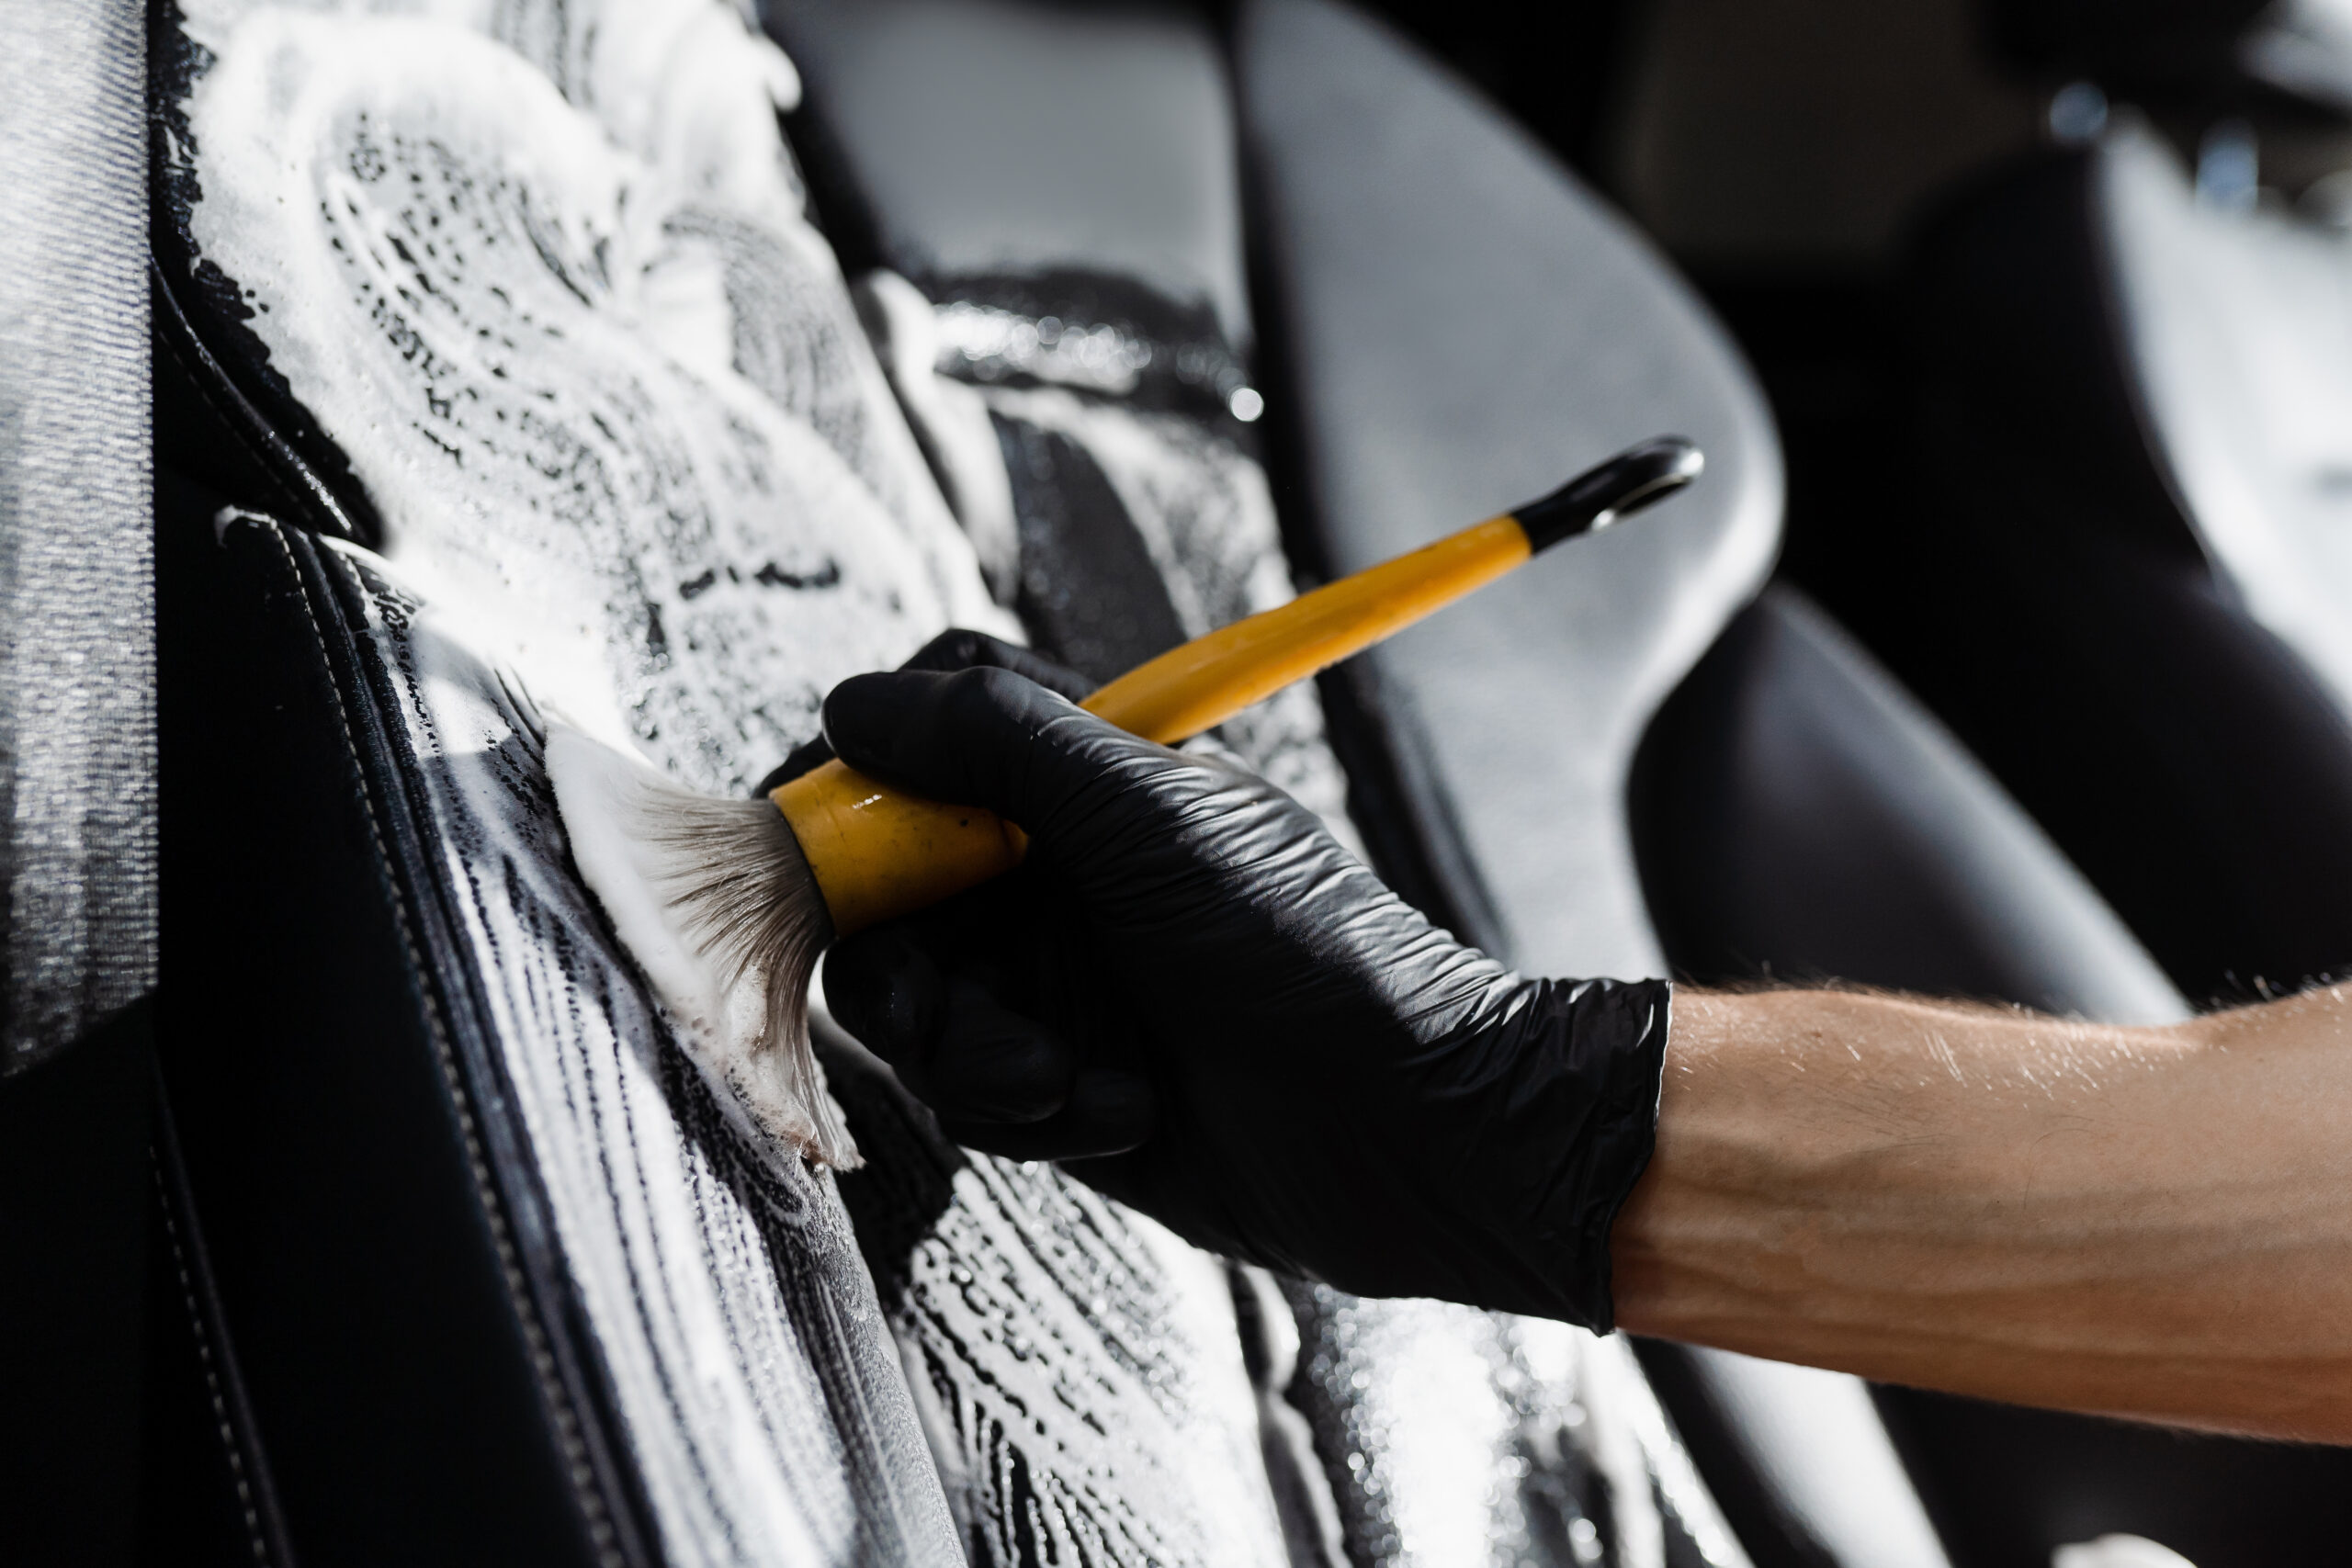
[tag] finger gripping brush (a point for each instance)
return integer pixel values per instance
(758, 889)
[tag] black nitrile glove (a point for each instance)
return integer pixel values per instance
(955, 648)
(1196, 997)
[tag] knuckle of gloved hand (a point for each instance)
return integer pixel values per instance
(988, 702)
(864, 717)
(963, 648)
(951, 650)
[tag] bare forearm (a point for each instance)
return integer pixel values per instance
(2152, 1223)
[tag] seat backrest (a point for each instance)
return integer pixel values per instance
(536, 312)
(974, 140)
(1463, 327)
(2125, 586)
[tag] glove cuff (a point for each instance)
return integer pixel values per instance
(1590, 1059)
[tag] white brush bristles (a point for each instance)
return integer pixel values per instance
(716, 902)
(742, 890)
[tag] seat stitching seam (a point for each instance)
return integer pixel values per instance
(542, 1359)
(211, 1374)
(233, 421)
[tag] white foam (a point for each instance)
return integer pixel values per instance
(553, 293)
(766, 1411)
(599, 375)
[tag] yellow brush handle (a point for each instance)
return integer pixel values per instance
(1210, 678)
(876, 852)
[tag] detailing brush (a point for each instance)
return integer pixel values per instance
(713, 894)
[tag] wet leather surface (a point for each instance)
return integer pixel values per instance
(631, 457)
(615, 506)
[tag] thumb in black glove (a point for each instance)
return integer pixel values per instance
(1196, 998)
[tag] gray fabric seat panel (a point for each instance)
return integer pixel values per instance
(1465, 328)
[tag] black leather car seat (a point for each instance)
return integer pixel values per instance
(2122, 590)
(475, 341)
(468, 336)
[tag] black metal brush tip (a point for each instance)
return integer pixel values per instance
(1637, 477)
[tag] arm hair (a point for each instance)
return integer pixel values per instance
(2153, 1223)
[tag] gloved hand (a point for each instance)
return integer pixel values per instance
(1192, 995)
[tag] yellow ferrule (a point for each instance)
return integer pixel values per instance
(877, 852)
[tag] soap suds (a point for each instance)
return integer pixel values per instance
(1079, 1365)
(603, 383)
(511, 320)
(758, 1389)
(1470, 1439)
